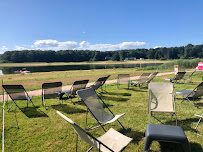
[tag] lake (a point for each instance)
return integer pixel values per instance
(10, 70)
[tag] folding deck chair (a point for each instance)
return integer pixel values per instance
(142, 80)
(17, 92)
(151, 77)
(178, 77)
(111, 141)
(200, 118)
(99, 83)
(189, 77)
(91, 101)
(123, 79)
(194, 94)
(161, 99)
(49, 91)
(77, 85)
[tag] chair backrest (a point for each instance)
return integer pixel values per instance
(199, 90)
(161, 97)
(152, 76)
(16, 92)
(179, 75)
(81, 132)
(77, 85)
(143, 78)
(123, 78)
(100, 82)
(49, 89)
(91, 100)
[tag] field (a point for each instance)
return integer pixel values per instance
(38, 129)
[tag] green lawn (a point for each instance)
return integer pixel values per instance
(38, 129)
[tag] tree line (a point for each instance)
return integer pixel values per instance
(184, 52)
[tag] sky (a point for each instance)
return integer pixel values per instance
(99, 24)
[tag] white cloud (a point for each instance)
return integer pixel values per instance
(110, 47)
(156, 47)
(20, 48)
(4, 48)
(54, 44)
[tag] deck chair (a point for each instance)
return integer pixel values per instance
(200, 118)
(99, 83)
(189, 77)
(49, 91)
(151, 77)
(178, 77)
(111, 141)
(17, 92)
(123, 79)
(91, 100)
(161, 99)
(77, 85)
(142, 80)
(194, 94)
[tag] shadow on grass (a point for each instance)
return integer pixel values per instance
(119, 99)
(137, 136)
(33, 112)
(121, 94)
(67, 109)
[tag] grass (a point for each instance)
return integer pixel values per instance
(34, 81)
(43, 130)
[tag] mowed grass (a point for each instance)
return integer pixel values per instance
(38, 129)
(34, 81)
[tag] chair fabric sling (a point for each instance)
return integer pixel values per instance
(189, 77)
(187, 94)
(111, 141)
(49, 91)
(151, 77)
(123, 79)
(94, 106)
(178, 77)
(200, 118)
(161, 98)
(17, 92)
(141, 80)
(99, 83)
(77, 85)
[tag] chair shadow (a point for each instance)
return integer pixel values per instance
(67, 109)
(137, 89)
(34, 112)
(119, 99)
(121, 94)
(137, 136)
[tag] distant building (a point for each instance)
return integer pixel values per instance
(108, 58)
(141, 58)
(130, 58)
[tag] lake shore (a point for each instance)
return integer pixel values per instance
(77, 63)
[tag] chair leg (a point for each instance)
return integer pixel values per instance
(147, 144)
(121, 124)
(10, 106)
(198, 124)
(192, 103)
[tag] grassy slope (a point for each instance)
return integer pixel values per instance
(43, 130)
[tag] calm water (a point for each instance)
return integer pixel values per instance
(10, 70)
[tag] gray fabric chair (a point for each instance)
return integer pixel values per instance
(200, 118)
(165, 133)
(141, 81)
(111, 141)
(161, 99)
(151, 77)
(17, 92)
(178, 77)
(50, 90)
(91, 100)
(99, 83)
(123, 79)
(194, 94)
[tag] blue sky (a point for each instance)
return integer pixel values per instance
(99, 24)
